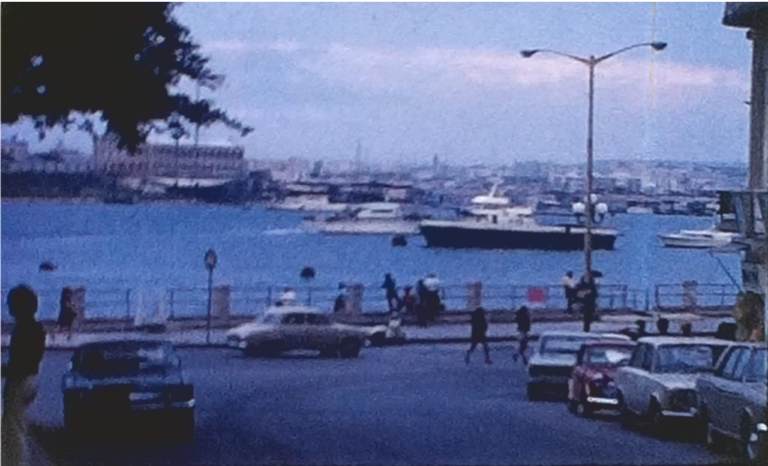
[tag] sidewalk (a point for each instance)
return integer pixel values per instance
(434, 334)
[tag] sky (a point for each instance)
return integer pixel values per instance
(411, 80)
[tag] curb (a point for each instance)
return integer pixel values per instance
(412, 341)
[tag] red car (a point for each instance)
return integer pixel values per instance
(591, 387)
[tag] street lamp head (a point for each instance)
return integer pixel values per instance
(659, 46)
(528, 53)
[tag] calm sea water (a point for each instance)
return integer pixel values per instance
(160, 246)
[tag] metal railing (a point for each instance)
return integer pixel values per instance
(181, 302)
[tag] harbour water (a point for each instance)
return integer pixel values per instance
(156, 246)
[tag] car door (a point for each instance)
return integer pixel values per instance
(293, 329)
(733, 389)
(628, 378)
(720, 397)
(316, 334)
(576, 382)
(709, 386)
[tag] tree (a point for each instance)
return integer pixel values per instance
(121, 60)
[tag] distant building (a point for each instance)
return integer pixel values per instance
(170, 160)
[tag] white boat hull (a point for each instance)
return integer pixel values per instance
(365, 227)
(681, 241)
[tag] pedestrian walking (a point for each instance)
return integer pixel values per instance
(569, 288)
(24, 356)
(67, 313)
(340, 304)
(390, 287)
(523, 320)
(479, 329)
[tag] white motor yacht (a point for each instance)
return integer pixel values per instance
(308, 203)
(376, 218)
(699, 239)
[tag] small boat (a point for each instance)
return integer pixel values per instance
(376, 218)
(308, 203)
(699, 239)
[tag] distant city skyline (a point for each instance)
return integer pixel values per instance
(413, 80)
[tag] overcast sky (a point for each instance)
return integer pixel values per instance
(413, 80)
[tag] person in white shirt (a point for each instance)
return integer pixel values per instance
(289, 297)
(433, 302)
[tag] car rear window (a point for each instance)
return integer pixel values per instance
(607, 356)
(125, 359)
(687, 359)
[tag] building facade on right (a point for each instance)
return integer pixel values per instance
(751, 206)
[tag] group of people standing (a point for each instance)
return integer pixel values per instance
(424, 300)
(581, 296)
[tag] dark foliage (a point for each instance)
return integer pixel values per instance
(120, 59)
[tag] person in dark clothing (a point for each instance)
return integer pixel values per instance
(410, 300)
(479, 329)
(390, 288)
(67, 313)
(421, 307)
(24, 356)
(340, 304)
(662, 325)
(523, 320)
(587, 293)
(686, 329)
(569, 287)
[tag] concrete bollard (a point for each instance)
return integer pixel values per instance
(474, 295)
(221, 301)
(355, 299)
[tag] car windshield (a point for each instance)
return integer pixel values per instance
(562, 344)
(607, 356)
(268, 319)
(125, 359)
(757, 370)
(685, 359)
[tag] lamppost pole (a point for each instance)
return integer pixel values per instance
(591, 63)
(210, 264)
(590, 153)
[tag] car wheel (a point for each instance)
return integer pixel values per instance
(532, 393)
(185, 426)
(571, 406)
(656, 420)
(329, 352)
(751, 441)
(702, 425)
(626, 417)
(378, 339)
(73, 422)
(349, 348)
(583, 409)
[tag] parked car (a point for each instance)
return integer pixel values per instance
(112, 386)
(550, 367)
(289, 328)
(732, 400)
(591, 387)
(659, 384)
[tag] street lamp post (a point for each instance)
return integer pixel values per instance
(210, 264)
(591, 62)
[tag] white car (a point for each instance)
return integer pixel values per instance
(659, 383)
(549, 370)
(289, 328)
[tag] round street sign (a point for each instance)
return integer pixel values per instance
(210, 259)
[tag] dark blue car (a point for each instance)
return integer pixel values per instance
(123, 388)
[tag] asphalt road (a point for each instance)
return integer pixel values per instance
(405, 405)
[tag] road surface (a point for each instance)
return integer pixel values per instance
(392, 406)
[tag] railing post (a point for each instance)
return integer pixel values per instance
(309, 296)
(647, 300)
(656, 292)
(722, 295)
(128, 304)
(173, 293)
(269, 296)
(624, 292)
